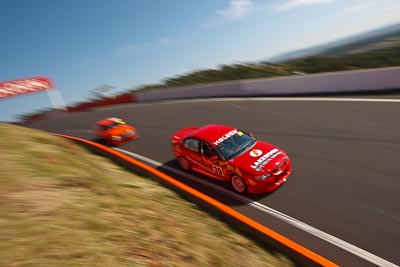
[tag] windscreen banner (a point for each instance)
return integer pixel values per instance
(25, 86)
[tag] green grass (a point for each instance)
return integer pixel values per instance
(61, 205)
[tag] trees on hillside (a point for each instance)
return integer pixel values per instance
(314, 64)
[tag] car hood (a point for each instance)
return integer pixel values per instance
(120, 130)
(261, 158)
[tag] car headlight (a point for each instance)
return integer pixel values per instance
(262, 177)
(116, 138)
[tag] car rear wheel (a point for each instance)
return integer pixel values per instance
(184, 163)
(238, 183)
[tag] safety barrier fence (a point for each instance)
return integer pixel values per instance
(119, 99)
(342, 82)
(334, 83)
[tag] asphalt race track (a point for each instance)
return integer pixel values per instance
(346, 165)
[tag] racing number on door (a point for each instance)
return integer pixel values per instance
(217, 170)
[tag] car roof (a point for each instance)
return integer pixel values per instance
(211, 132)
(107, 121)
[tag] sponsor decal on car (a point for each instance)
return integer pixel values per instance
(238, 171)
(117, 120)
(255, 153)
(224, 137)
(262, 161)
(217, 170)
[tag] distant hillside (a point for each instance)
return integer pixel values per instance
(386, 37)
(363, 54)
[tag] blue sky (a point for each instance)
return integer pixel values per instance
(83, 44)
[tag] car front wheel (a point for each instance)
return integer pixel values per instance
(238, 183)
(184, 163)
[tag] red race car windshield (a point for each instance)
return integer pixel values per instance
(110, 126)
(235, 145)
(114, 124)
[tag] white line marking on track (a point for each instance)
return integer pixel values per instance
(279, 215)
(237, 99)
(299, 99)
(327, 99)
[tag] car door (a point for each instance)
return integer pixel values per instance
(101, 131)
(192, 152)
(212, 161)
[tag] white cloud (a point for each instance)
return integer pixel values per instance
(296, 3)
(357, 8)
(368, 16)
(237, 9)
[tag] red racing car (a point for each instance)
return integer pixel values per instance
(229, 154)
(115, 131)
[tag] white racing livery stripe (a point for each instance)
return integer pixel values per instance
(279, 215)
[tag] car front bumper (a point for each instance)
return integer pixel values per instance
(271, 183)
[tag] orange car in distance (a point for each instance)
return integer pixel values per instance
(115, 131)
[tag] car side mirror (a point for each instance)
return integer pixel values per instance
(214, 157)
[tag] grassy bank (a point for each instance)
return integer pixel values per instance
(60, 205)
